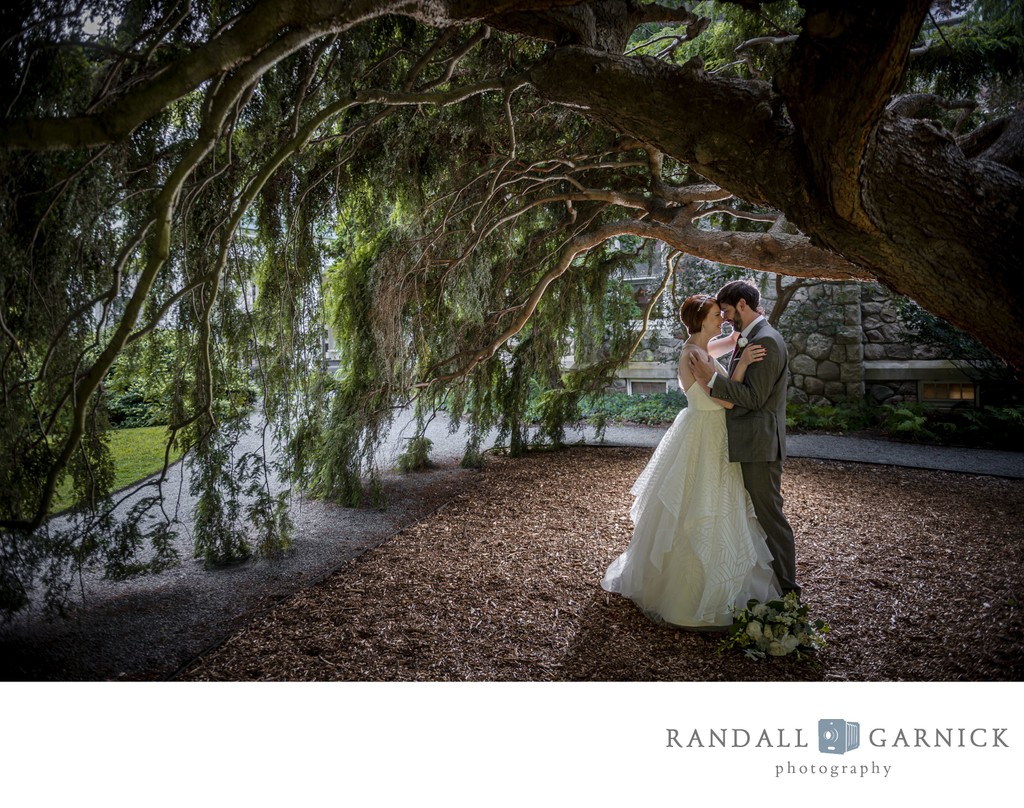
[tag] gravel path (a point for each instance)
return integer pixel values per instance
(151, 626)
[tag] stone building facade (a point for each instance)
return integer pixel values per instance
(823, 327)
(846, 341)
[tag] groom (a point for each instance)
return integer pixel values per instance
(757, 422)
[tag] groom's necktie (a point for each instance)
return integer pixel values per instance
(735, 355)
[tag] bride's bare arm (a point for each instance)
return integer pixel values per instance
(683, 373)
(720, 346)
(751, 354)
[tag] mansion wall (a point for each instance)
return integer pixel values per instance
(823, 327)
(845, 342)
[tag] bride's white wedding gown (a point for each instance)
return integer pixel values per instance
(697, 549)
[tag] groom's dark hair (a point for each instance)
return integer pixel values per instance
(735, 291)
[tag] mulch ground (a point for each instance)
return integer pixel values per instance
(918, 573)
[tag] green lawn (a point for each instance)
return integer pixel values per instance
(137, 453)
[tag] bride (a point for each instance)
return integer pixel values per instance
(697, 549)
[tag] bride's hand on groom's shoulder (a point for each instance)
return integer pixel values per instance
(753, 353)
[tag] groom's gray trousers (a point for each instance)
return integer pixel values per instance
(763, 481)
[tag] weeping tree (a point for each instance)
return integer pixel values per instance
(447, 188)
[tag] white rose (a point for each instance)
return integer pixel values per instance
(742, 342)
(760, 610)
(776, 649)
(754, 630)
(789, 643)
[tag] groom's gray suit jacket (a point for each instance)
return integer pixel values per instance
(757, 421)
(757, 441)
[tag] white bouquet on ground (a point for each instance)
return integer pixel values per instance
(776, 628)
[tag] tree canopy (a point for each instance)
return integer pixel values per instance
(447, 187)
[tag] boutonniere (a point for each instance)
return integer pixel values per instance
(742, 342)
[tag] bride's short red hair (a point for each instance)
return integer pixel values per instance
(693, 311)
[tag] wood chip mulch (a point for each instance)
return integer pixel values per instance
(918, 573)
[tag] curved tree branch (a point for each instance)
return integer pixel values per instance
(242, 41)
(602, 24)
(1008, 147)
(915, 105)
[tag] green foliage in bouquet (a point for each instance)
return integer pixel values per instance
(775, 628)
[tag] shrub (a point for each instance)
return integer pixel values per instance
(653, 409)
(995, 427)
(907, 420)
(416, 456)
(991, 427)
(846, 416)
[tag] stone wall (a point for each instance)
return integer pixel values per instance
(823, 329)
(893, 363)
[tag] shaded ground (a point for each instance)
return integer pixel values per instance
(149, 627)
(919, 574)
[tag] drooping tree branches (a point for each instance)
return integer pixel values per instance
(449, 188)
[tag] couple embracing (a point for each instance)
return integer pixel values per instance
(708, 529)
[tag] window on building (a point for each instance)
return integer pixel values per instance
(948, 392)
(646, 388)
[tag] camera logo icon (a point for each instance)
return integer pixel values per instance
(837, 737)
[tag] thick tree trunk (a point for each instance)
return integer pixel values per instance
(928, 222)
(842, 72)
